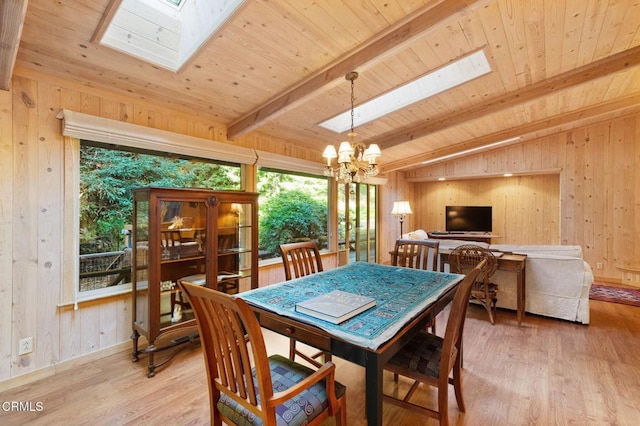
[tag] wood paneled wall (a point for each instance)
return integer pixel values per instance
(526, 209)
(598, 167)
(396, 189)
(596, 190)
(32, 223)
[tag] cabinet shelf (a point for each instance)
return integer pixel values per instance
(187, 320)
(182, 259)
(180, 234)
(229, 252)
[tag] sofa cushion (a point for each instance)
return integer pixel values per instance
(418, 234)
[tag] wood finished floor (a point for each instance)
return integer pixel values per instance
(545, 372)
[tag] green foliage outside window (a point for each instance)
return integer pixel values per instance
(107, 177)
(292, 216)
(293, 207)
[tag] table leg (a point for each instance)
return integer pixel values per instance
(521, 292)
(373, 385)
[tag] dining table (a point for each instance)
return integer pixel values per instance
(406, 300)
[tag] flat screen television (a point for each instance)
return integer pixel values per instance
(468, 219)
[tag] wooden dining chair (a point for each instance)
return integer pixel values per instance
(430, 359)
(299, 260)
(463, 259)
(245, 386)
(417, 254)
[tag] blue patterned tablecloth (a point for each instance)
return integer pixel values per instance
(400, 294)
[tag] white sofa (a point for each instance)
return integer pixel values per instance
(558, 280)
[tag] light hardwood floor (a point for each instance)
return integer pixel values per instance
(544, 372)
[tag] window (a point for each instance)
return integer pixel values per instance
(357, 235)
(293, 207)
(107, 176)
(135, 139)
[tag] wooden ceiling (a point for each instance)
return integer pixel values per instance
(277, 67)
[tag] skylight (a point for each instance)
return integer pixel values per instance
(445, 78)
(175, 3)
(166, 32)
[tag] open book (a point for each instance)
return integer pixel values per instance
(336, 306)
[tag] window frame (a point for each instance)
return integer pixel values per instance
(77, 126)
(125, 149)
(330, 200)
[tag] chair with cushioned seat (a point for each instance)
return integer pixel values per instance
(463, 259)
(245, 386)
(299, 260)
(417, 254)
(430, 359)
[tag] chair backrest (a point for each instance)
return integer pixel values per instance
(416, 254)
(233, 344)
(455, 324)
(170, 238)
(300, 258)
(464, 259)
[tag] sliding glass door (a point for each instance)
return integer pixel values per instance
(357, 223)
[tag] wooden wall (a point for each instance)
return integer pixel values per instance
(526, 209)
(598, 194)
(598, 209)
(32, 224)
(396, 189)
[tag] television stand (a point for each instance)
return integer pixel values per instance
(484, 237)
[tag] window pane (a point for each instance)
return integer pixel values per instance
(293, 207)
(357, 222)
(107, 176)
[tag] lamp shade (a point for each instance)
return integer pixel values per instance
(401, 208)
(371, 153)
(330, 152)
(345, 148)
(374, 150)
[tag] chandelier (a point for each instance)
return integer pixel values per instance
(356, 162)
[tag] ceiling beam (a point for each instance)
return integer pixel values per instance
(12, 13)
(581, 75)
(543, 124)
(105, 20)
(370, 52)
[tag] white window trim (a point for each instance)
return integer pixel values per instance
(98, 129)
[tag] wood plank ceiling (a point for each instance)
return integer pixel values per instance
(277, 67)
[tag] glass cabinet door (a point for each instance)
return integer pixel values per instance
(234, 246)
(141, 262)
(183, 245)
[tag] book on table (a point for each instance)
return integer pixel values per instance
(336, 306)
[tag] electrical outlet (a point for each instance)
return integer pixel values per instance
(599, 265)
(25, 346)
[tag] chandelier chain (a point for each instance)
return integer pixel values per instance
(356, 162)
(353, 98)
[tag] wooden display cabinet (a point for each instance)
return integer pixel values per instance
(201, 236)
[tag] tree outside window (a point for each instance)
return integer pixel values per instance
(293, 208)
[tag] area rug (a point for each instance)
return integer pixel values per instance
(625, 296)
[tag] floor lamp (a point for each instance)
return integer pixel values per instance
(401, 209)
